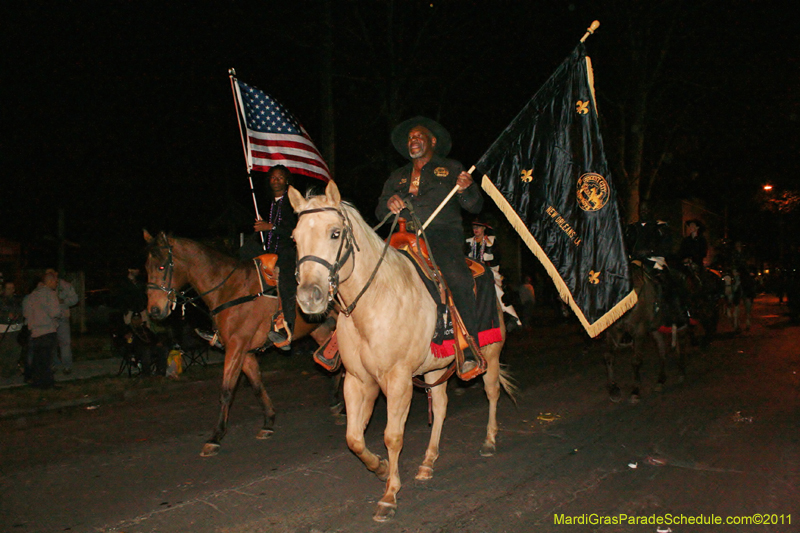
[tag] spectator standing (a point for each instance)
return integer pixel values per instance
(10, 324)
(67, 297)
(42, 312)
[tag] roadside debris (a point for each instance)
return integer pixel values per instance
(655, 461)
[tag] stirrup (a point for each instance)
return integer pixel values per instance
(280, 335)
(471, 369)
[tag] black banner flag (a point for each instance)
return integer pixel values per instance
(548, 173)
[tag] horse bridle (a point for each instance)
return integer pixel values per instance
(174, 295)
(333, 269)
(347, 243)
(167, 268)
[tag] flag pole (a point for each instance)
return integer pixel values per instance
(590, 30)
(444, 202)
(231, 75)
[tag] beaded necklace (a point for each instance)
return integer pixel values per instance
(275, 220)
(474, 250)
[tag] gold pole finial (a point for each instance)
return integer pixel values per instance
(590, 30)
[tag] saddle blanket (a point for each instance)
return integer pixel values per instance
(443, 342)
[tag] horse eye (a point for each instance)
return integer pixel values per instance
(335, 234)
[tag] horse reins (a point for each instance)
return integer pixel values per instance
(173, 295)
(347, 242)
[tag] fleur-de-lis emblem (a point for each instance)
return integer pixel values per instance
(582, 107)
(594, 277)
(527, 176)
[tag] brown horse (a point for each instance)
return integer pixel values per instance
(231, 290)
(384, 340)
(633, 329)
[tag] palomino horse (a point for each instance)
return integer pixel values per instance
(632, 330)
(243, 320)
(384, 341)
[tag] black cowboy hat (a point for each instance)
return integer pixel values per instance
(699, 223)
(400, 136)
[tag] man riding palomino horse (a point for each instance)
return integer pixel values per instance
(426, 180)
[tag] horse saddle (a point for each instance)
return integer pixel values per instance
(266, 269)
(408, 242)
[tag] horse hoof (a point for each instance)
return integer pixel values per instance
(488, 449)
(264, 434)
(210, 450)
(385, 512)
(424, 473)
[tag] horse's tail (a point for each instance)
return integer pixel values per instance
(508, 383)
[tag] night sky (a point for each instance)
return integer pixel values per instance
(120, 113)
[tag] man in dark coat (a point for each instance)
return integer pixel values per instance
(694, 246)
(426, 180)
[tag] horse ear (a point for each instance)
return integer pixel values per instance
(332, 193)
(296, 199)
(147, 237)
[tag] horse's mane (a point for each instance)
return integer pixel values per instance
(214, 253)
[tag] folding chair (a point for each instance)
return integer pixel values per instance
(195, 350)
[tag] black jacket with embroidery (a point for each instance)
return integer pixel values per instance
(437, 179)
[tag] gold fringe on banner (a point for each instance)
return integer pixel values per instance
(592, 329)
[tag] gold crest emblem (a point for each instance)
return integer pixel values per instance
(526, 176)
(594, 277)
(592, 192)
(403, 181)
(441, 172)
(582, 108)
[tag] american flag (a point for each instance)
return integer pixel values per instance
(275, 136)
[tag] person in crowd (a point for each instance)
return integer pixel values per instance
(42, 313)
(427, 180)
(481, 247)
(11, 321)
(67, 297)
(145, 347)
(132, 296)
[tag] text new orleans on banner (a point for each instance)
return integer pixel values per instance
(548, 173)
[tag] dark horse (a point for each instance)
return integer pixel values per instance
(229, 289)
(632, 329)
(706, 290)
